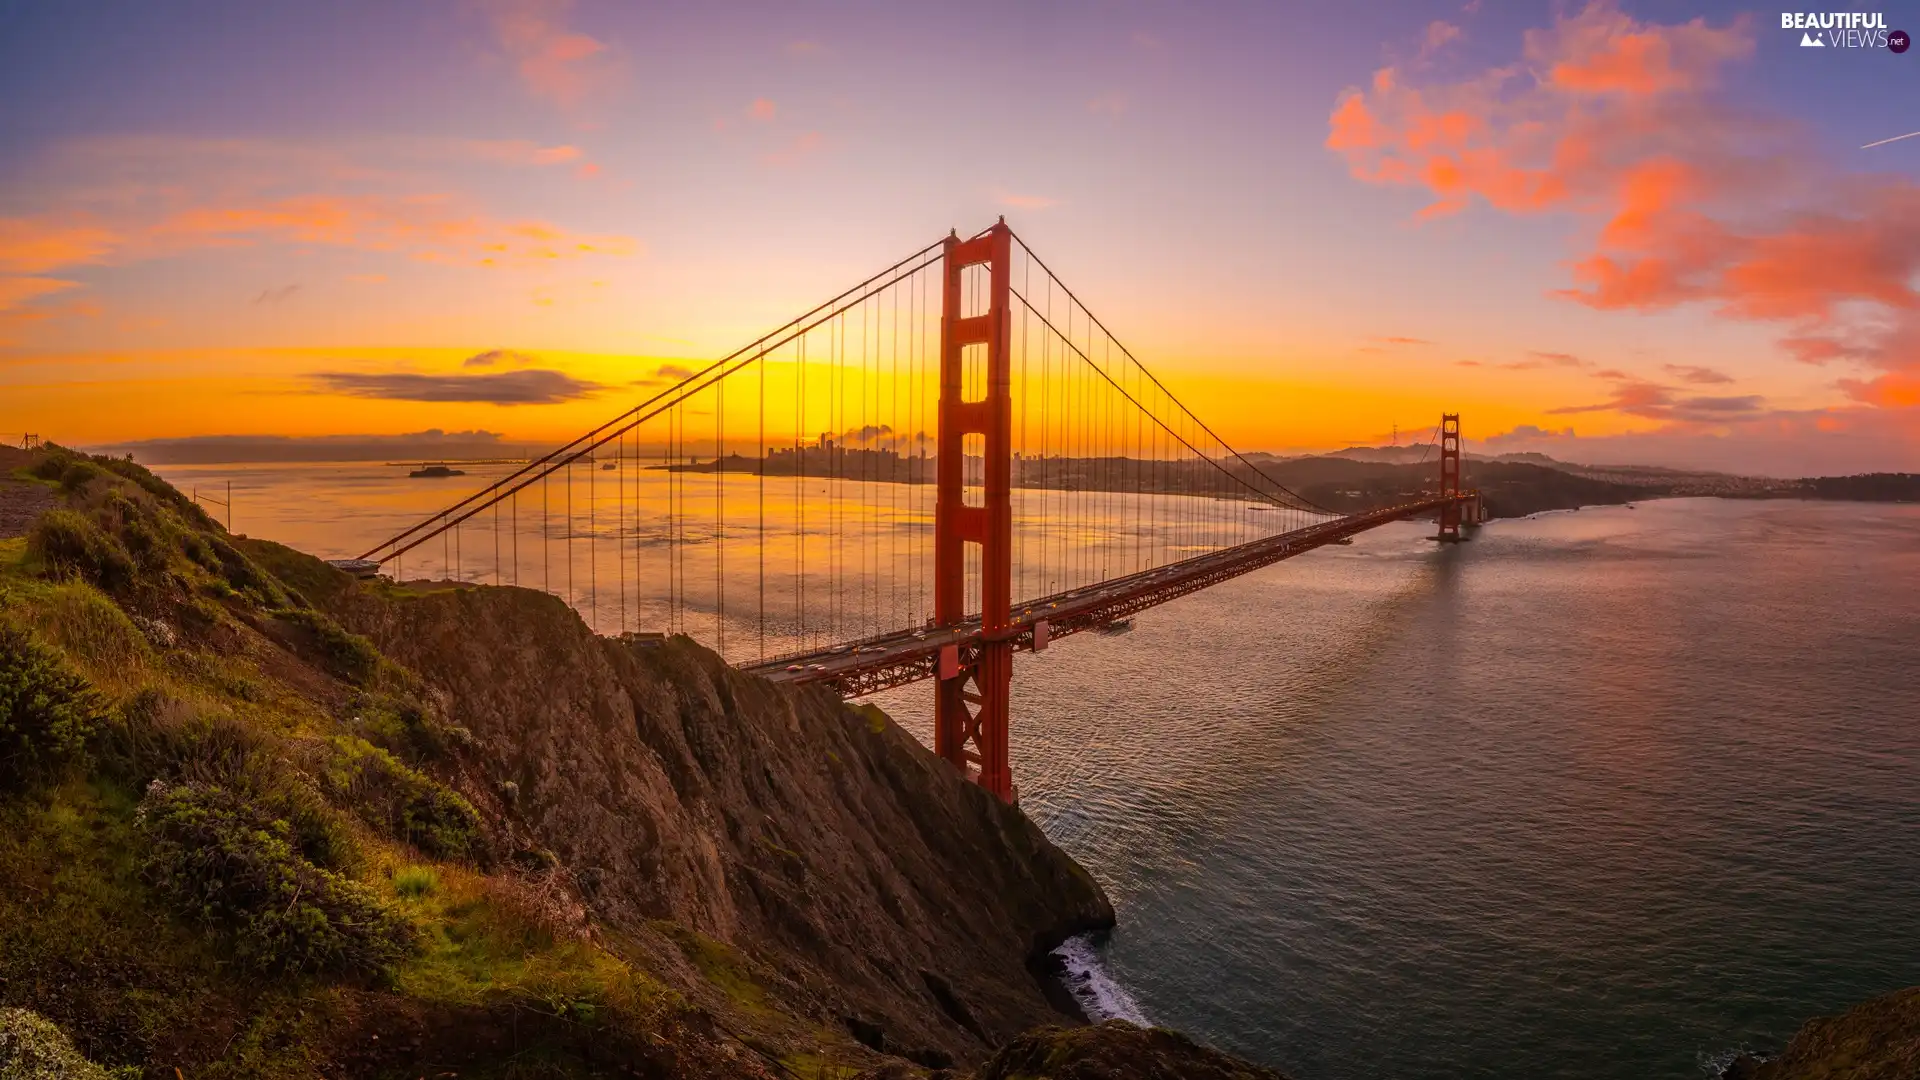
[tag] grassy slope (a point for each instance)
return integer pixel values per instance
(209, 667)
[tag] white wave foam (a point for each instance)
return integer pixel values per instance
(1096, 991)
(1715, 1065)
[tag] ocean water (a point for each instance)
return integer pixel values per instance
(1603, 794)
(1606, 795)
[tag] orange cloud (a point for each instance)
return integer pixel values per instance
(18, 307)
(1683, 198)
(36, 245)
(15, 291)
(554, 62)
(433, 228)
(1604, 51)
(762, 109)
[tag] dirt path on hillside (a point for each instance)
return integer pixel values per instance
(20, 503)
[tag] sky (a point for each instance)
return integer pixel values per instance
(1637, 232)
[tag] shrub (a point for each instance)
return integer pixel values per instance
(406, 728)
(92, 629)
(157, 488)
(195, 547)
(136, 528)
(245, 577)
(225, 863)
(73, 546)
(404, 802)
(48, 713)
(157, 735)
(347, 655)
(416, 881)
(78, 473)
(52, 464)
(34, 1048)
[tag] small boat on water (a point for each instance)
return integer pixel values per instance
(434, 472)
(608, 467)
(1114, 628)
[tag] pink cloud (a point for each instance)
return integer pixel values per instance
(1694, 374)
(554, 62)
(762, 110)
(1026, 202)
(1681, 196)
(795, 150)
(522, 152)
(1438, 35)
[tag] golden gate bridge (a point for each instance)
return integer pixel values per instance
(948, 463)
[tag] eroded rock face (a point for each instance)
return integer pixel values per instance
(889, 898)
(1115, 1050)
(1878, 1040)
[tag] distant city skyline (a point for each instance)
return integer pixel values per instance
(1626, 232)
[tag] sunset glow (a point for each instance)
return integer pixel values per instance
(1598, 231)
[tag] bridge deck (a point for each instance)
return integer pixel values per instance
(858, 668)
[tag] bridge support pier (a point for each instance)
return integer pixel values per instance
(971, 700)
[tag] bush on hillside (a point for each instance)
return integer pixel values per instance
(51, 464)
(157, 735)
(34, 1048)
(246, 577)
(136, 528)
(48, 712)
(82, 622)
(405, 803)
(79, 473)
(158, 488)
(224, 862)
(347, 655)
(73, 546)
(406, 728)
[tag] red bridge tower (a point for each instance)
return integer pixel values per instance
(970, 709)
(1450, 477)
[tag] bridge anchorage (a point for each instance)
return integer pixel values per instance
(787, 506)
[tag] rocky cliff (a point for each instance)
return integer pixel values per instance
(260, 819)
(1877, 1040)
(886, 897)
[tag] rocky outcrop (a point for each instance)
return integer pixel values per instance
(1115, 1050)
(869, 887)
(1878, 1040)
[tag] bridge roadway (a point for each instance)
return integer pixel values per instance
(858, 668)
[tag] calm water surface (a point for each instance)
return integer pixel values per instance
(1607, 794)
